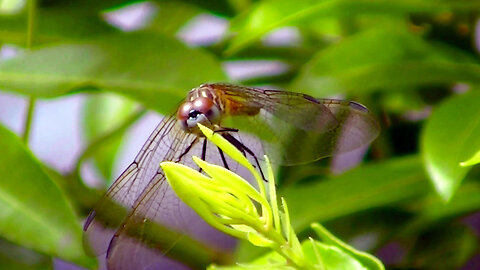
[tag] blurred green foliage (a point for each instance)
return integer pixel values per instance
(409, 61)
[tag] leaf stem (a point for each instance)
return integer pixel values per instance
(32, 6)
(28, 120)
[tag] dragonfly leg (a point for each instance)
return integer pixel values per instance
(225, 164)
(204, 152)
(187, 150)
(240, 146)
(204, 149)
(225, 129)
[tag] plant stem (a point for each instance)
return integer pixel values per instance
(28, 120)
(32, 6)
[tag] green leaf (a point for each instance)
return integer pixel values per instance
(258, 240)
(219, 7)
(451, 135)
(475, 159)
(171, 16)
(364, 258)
(387, 60)
(268, 15)
(197, 191)
(271, 260)
(434, 210)
(332, 257)
(330, 254)
(34, 212)
(76, 24)
(92, 6)
(13, 257)
(155, 70)
(227, 147)
(373, 185)
(401, 100)
(102, 113)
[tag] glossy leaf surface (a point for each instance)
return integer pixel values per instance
(451, 136)
(38, 217)
(155, 71)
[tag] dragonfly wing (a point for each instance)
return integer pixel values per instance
(291, 145)
(299, 110)
(163, 224)
(115, 205)
(358, 127)
(297, 128)
(131, 254)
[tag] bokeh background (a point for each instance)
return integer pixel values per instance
(83, 84)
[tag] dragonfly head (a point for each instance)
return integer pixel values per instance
(199, 110)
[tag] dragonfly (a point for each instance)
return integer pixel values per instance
(141, 224)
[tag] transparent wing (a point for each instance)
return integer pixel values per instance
(299, 110)
(297, 128)
(118, 201)
(141, 218)
(159, 215)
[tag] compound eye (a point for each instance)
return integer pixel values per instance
(202, 105)
(202, 110)
(207, 108)
(184, 111)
